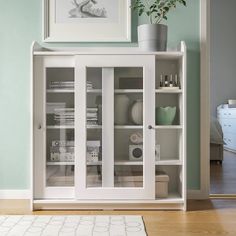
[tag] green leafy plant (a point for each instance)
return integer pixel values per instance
(155, 10)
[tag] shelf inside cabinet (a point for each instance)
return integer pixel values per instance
(60, 91)
(50, 163)
(128, 127)
(117, 163)
(177, 91)
(94, 126)
(174, 162)
(168, 127)
(118, 91)
(94, 91)
(60, 127)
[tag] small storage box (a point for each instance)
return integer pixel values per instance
(162, 181)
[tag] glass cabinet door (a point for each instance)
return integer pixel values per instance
(117, 158)
(54, 166)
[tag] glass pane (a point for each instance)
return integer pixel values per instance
(94, 127)
(60, 127)
(128, 123)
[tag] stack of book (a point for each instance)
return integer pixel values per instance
(64, 116)
(89, 85)
(67, 85)
(62, 151)
(92, 116)
(62, 85)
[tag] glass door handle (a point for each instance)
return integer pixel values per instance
(150, 127)
(39, 126)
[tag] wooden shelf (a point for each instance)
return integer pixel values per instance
(175, 91)
(60, 90)
(94, 126)
(128, 90)
(172, 162)
(60, 127)
(168, 127)
(126, 162)
(52, 163)
(117, 91)
(94, 90)
(128, 127)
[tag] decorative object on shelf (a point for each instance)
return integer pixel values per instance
(64, 116)
(89, 85)
(51, 106)
(99, 105)
(93, 148)
(169, 84)
(92, 115)
(136, 152)
(153, 36)
(161, 81)
(158, 152)
(67, 85)
(62, 85)
(166, 83)
(177, 82)
(165, 115)
(122, 103)
(137, 112)
(131, 83)
(87, 21)
(136, 138)
(162, 181)
(62, 151)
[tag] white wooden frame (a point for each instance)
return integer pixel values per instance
(204, 102)
(109, 62)
(97, 32)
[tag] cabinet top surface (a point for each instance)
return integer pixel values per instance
(70, 51)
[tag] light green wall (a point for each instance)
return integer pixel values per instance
(20, 24)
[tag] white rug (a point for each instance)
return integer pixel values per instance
(71, 225)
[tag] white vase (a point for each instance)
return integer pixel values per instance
(121, 109)
(137, 112)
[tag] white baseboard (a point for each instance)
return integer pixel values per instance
(15, 194)
(26, 194)
(197, 194)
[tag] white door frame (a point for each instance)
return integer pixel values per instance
(205, 99)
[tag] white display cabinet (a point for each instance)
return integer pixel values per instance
(97, 141)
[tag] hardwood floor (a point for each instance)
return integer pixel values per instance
(210, 218)
(223, 177)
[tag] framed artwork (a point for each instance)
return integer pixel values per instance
(87, 21)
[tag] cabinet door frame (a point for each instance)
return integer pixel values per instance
(147, 62)
(40, 189)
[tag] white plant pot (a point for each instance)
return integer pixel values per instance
(152, 37)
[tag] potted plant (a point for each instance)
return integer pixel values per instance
(153, 36)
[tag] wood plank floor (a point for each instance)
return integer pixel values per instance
(223, 177)
(210, 218)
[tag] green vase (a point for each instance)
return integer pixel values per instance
(165, 115)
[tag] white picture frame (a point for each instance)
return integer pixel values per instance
(63, 21)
